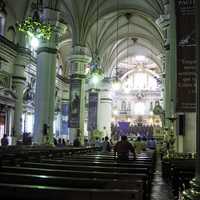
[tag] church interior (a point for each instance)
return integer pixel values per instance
(100, 99)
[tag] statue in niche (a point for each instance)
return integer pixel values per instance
(29, 94)
(157, 108)
(75, 104)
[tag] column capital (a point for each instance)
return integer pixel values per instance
(50, 16)
(93, 90)
(80, 54)
(75, 58)
(78, 59)
(23, 56)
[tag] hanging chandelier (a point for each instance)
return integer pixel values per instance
(116, 84)
(96, 73)
(35, 28)
(128, 16)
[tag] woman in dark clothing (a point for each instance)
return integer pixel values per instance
(122, 149)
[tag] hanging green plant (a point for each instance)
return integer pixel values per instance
(97, 70)
(35, 28)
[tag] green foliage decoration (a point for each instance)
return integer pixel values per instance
(96, 134)
(36, 28)
(97, 70)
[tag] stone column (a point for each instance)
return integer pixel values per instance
(92, 112)
(8, 121)
(65, 111)
(164, 23)
(172, 58)
(45, 84)
(104, 116)
(19, 80)
(78, 59)
(168, 83)
(167, 22)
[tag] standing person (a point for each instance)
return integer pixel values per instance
(4, 140)
(97, 143)
(140, 145)
(106, 147)
(151, 144)
(55, 142)
(60, 143)
(76, 142)
(122, 149)
(63, 142)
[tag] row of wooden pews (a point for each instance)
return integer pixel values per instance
(16, 154)
(83, 175)
(178, 172)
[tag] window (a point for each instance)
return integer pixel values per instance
(123, 106)
(2, 23)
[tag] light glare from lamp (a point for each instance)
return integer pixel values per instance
(116, 85)
(139, 108)
(115, 112)
(34, 43)
(95, 79)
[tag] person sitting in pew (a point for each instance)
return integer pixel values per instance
(122, 149)
(60, 143)
(106, 146)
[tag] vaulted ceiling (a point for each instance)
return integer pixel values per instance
(115, 29)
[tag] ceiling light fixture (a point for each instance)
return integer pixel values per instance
(116, 85)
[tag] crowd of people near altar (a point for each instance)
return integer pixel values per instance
(140, 129)
(134, 142)
(138, 142)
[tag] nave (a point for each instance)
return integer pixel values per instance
(75, 72)
(78, 173)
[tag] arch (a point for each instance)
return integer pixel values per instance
(11, 34)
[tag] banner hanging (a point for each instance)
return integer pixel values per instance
(92, 111)
(74, 109)
(186, 59)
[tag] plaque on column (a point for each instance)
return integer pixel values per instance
(186, 60)
(74, 108)
(92, 111)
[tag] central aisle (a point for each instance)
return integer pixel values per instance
(160, 189)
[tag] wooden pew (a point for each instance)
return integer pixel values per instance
(179, 172)
(87, 168)
(142, 178)
(136, 174)
(97, 163)
(22, 153)
(34, 192)
(71, 182)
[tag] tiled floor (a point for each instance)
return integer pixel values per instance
(160, 189)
